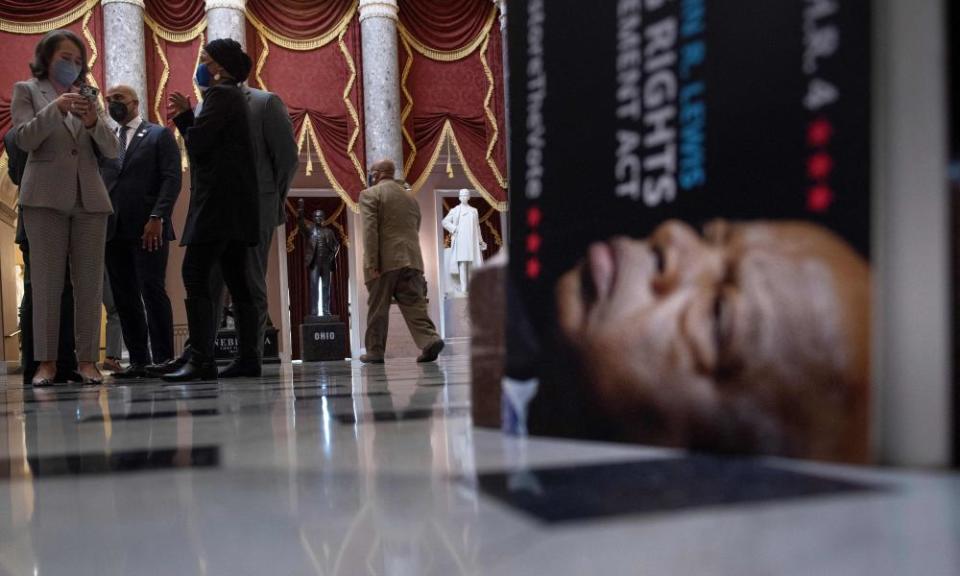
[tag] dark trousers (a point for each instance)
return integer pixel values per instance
(409, 288)
(198, 264)
(138, 279)
(258, 259)
(66, 357)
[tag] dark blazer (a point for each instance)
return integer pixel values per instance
(147, 184)
(275, 148)
(223, 176)
(16, 163)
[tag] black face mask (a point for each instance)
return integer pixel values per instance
(118, 111)
(370, 181)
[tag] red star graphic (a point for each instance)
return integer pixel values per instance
(533, 243)
(533, 268)
(819, 133)
(819, 166)
(534, 216)
(819, 199)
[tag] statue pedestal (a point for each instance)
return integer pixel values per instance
(456, 315)
(227, 345)
(323, 338)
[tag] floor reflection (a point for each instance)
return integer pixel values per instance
(329, 466)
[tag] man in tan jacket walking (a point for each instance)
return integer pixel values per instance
(393, 265)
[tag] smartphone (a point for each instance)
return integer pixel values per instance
(89, 92)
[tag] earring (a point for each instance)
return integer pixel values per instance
(216, 76)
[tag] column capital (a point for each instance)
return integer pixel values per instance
(133, 2)
(379, 9)
(502, 7)
(240, 5)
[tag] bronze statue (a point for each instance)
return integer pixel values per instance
(320, 253)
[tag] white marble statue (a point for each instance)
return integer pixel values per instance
(467, 245)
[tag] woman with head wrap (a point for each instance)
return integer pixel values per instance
(222, 221)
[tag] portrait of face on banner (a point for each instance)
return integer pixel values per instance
(691, 233)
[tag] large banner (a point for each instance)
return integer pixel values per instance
(690, 207)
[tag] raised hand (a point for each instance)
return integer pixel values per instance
(177, 104)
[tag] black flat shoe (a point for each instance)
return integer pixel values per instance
(132, 372)
(241, 369)
(193, 372)
(168, 367)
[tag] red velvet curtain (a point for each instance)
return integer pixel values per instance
(444, 25)
(299, 19)
(30, 11)
(298, 281)
(18, 49)
(173, 38)
(176, 15)
(467, 93)
(323, 84)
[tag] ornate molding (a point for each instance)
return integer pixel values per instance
(240, 5)
(138, 3)
(379, 9)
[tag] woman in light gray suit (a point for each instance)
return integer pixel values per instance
(65, 204)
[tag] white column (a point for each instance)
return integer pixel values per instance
(381, 82)
(505, 41)
(227, 19)
(125, 52)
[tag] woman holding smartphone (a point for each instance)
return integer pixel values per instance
(64, 202)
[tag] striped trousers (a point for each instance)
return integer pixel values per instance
(53, 235)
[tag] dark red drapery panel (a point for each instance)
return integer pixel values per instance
(170, 68)
(444, 25)
(464, 97)
(30, 11)
(299, 19)
(297, 279)
(321, 84)
(18, 48)
(176, 15)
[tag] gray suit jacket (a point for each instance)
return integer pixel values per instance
(391, 229)
(60, 151)
(275, 151)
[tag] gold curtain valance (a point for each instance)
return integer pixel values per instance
(44, 26)
(175, 37)
(307, 44)
(450, 55)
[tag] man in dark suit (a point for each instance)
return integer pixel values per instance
(144, 182)
(66, 357)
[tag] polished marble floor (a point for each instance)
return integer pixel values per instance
(346, 469)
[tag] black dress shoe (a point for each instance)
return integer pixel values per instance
(193, 372)
(368, 359)
(157, 370)
(431, 352)
(241, 369)
(132, 372)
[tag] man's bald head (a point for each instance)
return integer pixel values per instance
(124, 90)
(385, 167)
